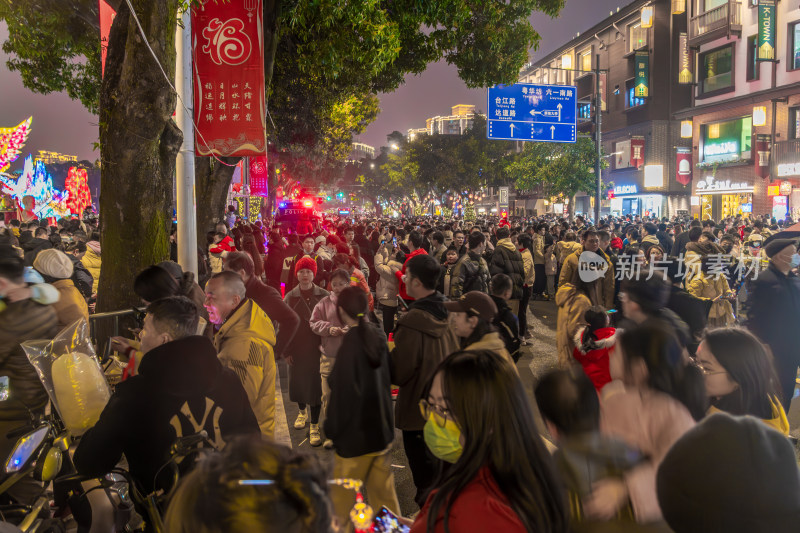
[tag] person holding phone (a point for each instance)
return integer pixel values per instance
(500, 476)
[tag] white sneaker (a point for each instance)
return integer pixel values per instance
(328, 444)
(314, 437)
(300, 422)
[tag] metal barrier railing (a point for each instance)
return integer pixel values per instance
(110, 315)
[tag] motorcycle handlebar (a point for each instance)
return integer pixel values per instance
(184, 444)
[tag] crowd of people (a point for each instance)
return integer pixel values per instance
(676, 368)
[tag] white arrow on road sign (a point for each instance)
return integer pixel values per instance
(552, 132)
(559, 112)
(512, 129)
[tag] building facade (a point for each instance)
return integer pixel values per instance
(744, 122)
(360, 151)
(639, 94)
(457, 122)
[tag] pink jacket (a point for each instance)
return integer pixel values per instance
(651, 422)
(323, 317)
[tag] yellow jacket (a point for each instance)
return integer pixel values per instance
(245, 344)
(527, 262)
(565, 249)
(778, 420)
(493, 343)
(708, 287)
(570, 269)
(571, 307)
(71, 305)
(92, 263)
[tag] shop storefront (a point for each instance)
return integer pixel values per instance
(718, 199)
(626, 200)
(784, 191)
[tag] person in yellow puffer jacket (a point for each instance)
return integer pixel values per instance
(91, 260)
(245, 340)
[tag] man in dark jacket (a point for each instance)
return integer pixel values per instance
(505, 321)
(267, 298)
(81, 276)
(308, 251)
(663, 237)
(683, 238)
(507, 260)
(181, 389)
(39, 242)
(773, 309)
(422, 340)
(20, 321)
(471, 272)
(692, 310)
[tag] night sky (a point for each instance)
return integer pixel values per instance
(63, 125)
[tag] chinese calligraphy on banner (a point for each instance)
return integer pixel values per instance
(637, 152)
(228, 59)
(259, 176)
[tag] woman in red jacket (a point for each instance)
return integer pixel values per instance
(478, 418)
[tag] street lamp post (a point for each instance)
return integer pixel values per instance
(598, 113)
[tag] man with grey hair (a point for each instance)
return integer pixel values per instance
(245, 340)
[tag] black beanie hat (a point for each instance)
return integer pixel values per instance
(730, 474)
(776, 245)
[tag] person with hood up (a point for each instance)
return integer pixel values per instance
(739, 377)
(359, 419)
(507, 260)
(593, 344)
(180, 382)
(91, 260)
(245, 341)
(39, 242)
(423, 338)
(56, 269)
(730, 474)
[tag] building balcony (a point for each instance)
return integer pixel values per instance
(718, 22)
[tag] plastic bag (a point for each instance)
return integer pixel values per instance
(68, 369)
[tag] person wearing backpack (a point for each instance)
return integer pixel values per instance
(505, 321)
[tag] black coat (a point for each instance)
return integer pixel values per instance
(509, 262)
(305, 385)
(508, 327)
(359, 418)
(33, 247)
(179, 385)
(773, 308)
(693, 311)
(81, 277)
(666, 241)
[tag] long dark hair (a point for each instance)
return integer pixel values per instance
(525, 241)
(662, 353)
(353, 302)
(488, 401)
(748, 364)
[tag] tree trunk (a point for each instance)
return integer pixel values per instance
(211, 186)
(139, 143)
(212, 178)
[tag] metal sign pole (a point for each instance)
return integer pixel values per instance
(598, 121)
(184, 168)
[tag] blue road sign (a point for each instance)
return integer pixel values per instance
(527, 112)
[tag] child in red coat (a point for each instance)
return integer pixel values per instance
(593, 344)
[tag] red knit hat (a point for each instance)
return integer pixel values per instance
(306, 262)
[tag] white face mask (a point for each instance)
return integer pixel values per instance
(795, 260)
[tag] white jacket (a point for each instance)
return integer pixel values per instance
(388, 286)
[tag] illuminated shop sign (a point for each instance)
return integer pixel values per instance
(710, 185)
(789, 169)
(620, 190)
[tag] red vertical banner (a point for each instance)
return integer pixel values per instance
(761, 158)
(259, 176)
(107, 15)
(683, 166)
(228, 60)
(637, 152)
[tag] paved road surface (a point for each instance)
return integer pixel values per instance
(536, 359)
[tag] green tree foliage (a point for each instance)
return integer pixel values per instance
(555, 168)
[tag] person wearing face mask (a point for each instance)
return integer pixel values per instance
(772, 310)
(500, 476)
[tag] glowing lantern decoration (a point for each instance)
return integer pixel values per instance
(713, 131)
(11, 142)
(34, 192)
(759, 115)
(686, 129)
(77, 185)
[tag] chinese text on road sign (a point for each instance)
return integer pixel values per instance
(526, 112)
